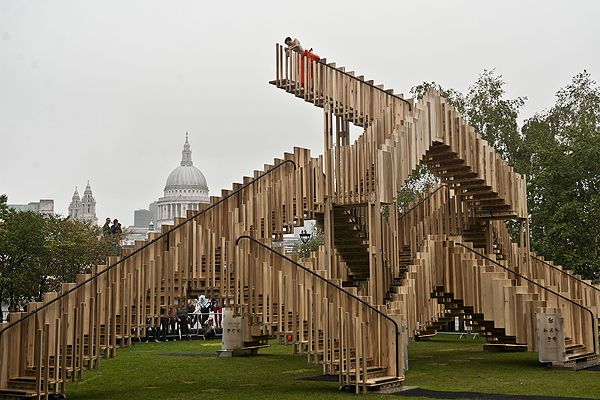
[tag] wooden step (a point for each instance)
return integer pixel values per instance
(26, 382)
(580, 361)
(381, 384)
(425, 334)
(372, 371)
(10, 394)
(504, 347)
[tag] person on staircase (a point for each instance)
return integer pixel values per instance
(106, 227)
(293, 45)
(115, 233)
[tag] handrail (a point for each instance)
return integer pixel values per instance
(368, 84)
(364, 82)
(336, 287)
(537, 284)
(404, 214)
(564, 272)
(162, 236)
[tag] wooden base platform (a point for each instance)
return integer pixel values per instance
(244, 351)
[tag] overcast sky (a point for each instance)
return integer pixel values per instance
(105, 90)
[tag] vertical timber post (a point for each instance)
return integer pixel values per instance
(329, 188)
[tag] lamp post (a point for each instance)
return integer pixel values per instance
(305, 236)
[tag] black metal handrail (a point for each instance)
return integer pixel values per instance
(404, 214)
(564, 272)
(368, 84)
(162, 236)
(538, 285)
(322, 62)
(337, 288)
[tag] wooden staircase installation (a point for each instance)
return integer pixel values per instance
(502, 303)
(437, 212)
(376, 279)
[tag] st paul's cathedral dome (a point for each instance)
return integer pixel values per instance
(185, 188)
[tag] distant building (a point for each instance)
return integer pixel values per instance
(142, 218)
(133, 233)
(153, 208)
(184, 190)
(44, 206)
(83, 209)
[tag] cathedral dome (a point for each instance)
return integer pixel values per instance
(185, 190)
(186, 176)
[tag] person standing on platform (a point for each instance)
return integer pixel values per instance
(115, 233)
(293, 45)
(106, 228)
(115, 229)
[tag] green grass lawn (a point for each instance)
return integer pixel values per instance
(443, 363)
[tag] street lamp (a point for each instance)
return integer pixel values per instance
(304, 236)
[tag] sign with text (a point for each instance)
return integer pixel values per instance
(550, 337)
(233, 332)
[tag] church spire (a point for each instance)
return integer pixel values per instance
(88, 189)
(75, 206)
(186, 154)
(75, 195)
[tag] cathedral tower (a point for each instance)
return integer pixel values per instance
(88, 206)
(83, 209)
(75, 206)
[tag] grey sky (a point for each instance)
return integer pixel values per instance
(105, 90)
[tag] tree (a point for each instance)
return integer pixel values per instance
(71, 247)
(562, 150)
(21, 248)
(38, 252)
(485, 109)
(495, 117)
(454, 97)
(3, 208)
(419, 181)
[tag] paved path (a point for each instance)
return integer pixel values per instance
(434, 394)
